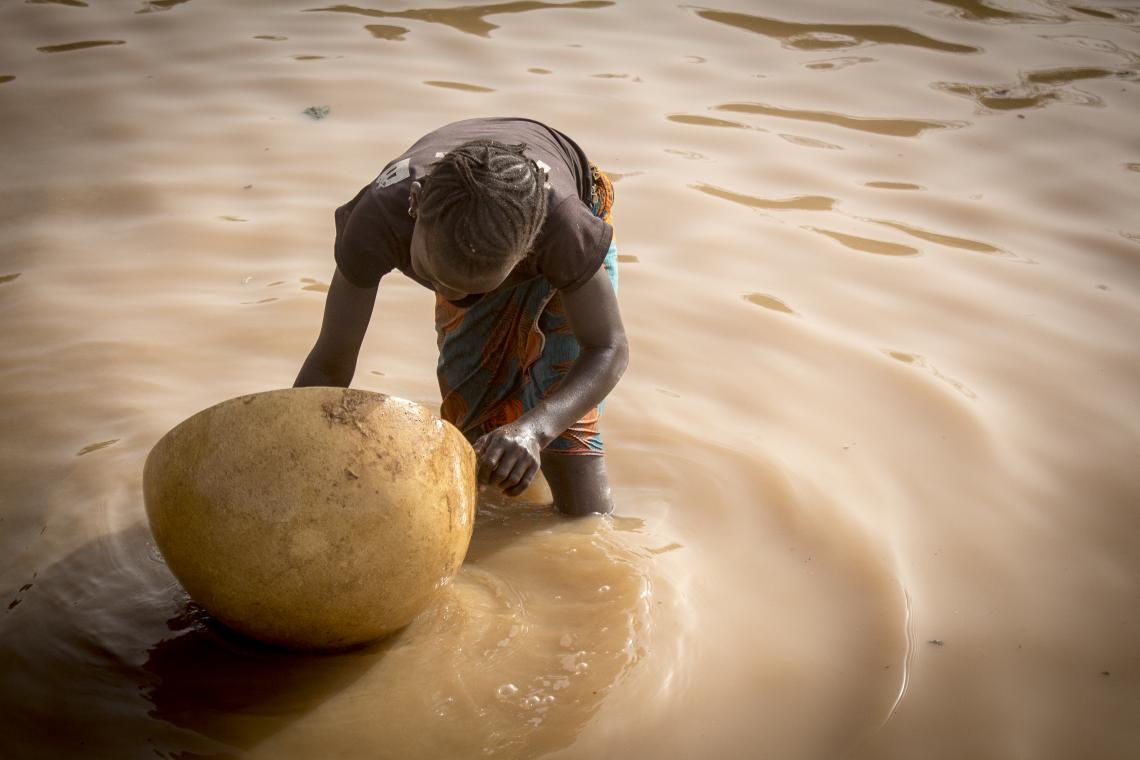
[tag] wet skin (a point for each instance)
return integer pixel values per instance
(510, 456)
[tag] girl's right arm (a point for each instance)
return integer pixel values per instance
(332, 362)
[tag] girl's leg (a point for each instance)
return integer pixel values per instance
(578, 483)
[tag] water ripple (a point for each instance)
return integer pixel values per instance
(1037, 89)
(875, 125)
(471, 19)
(815, 36)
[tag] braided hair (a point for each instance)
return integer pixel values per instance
(489, 200)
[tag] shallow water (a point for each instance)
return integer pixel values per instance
(874, 457)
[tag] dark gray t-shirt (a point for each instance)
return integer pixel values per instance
(374, 230)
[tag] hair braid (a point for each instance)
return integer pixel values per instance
(489, 199)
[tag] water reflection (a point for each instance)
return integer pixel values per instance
(151, 6)
(457, 86)
(941, 238)
(769, 302)
(878, 126)
(316, 286)
(815, 36)
(96, 612)
(809, 142)
(1108, 14)
(704, 121)
(1039, 88)
(546, 616)
(885, 185)
(799, 202)
(867, 245)
(921, 362)
(831, 64)
(691, 155)
(70, 46)
(96, 446)
(387, 32)
(979, 10)
(209, 680)
(468, 18)
(1095, 43)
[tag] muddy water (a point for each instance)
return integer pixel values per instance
(874, 458)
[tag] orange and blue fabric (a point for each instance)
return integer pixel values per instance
(503, 355)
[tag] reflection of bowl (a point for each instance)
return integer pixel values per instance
(312, 517)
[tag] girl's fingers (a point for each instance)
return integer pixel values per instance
(502, 470)
(516, 475)
(489, 461)
(524, 481)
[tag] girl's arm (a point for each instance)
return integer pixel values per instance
(332, 362)
(509, 457)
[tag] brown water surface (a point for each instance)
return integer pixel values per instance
(874, 458)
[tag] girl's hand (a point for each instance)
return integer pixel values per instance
(508, 458)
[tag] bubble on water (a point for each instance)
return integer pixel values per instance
(603, 589)
(507, 690)
(572, 664)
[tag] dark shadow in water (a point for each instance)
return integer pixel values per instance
(107, 644)
(467, 18)
(215, 682)
(821, 36)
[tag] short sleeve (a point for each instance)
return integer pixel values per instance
(572, 245)
(363, 247)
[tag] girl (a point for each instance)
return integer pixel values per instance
(509, 223)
